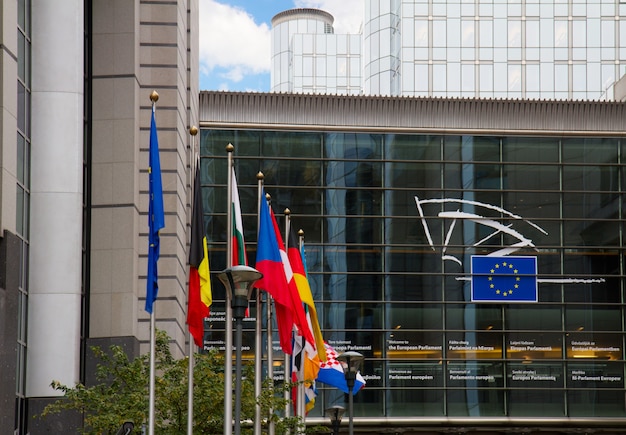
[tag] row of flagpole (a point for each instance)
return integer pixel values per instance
(299, 324)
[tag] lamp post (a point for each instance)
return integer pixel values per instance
(238, 281)
(335, 413)
(350, 362)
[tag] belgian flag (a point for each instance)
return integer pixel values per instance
(200, 296)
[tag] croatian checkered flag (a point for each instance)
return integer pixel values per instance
(331, 373)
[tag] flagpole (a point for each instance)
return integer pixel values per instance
(154, 97)
(193, 131)
(299, 411)
(228, 327)
(190, 389)
(270, 339)
(152, 371)
(287, 361)
(301, 401)
(258, 338)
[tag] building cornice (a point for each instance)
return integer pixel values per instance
(411, 114)
(299, 13)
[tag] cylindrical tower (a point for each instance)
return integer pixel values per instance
(382, 43)
(284, 26)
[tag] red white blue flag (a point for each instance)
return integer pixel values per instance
(331, 373)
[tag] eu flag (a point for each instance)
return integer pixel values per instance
(156, 216)
(504, 279)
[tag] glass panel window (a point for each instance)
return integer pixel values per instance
(596, 374)
(515, 33)
(595, 403)
(415, 375)
(590, 346)
(597, 150)
(535, 403)
(421, 33)
(439, 78)
(439, 33)
(560, 34)
(486, 78)
(475, 402)
(415, 402)
(539, 375)
(365, 315)
(467, 33)
(485, 33)
(532, 33)
(467, 77)
(412, 316)
(474, 345)
(593, 318)
(413, 345)
(473, 317)
(21, 108)
(579, 33)
(533, 317)
(532, 346)
(474, 374)
(415, 288)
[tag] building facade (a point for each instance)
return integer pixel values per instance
(75, 126)
(395, 196)
(483, 49)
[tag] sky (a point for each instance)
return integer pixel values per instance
(235, 38)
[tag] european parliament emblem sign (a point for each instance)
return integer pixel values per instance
(504, 279)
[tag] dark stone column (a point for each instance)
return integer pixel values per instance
(9, 295)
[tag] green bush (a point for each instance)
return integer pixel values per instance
(122, 390)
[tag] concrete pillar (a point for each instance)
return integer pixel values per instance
(54, 306)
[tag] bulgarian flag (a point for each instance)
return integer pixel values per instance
(200, 296)
(239, 247)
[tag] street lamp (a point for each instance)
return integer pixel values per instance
(350, 362)
(126, 428)
(238, 281)
(335, 413)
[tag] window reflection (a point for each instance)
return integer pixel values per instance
(536, 403)
(383, 287)
(475, 402)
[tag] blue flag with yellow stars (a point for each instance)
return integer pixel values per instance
(504, 279)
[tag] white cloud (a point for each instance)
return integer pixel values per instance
(235, 51)
(232, 41)
(348, 14)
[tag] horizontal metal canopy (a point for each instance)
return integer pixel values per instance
(411, 114)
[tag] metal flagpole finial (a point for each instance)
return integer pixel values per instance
(230, 148)
(287, 212)
(268, 197)
(301, 232)
(154, 96)
(193, 130)
(260, 176)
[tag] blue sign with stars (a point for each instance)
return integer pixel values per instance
(504, 279)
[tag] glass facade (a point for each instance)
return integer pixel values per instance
(326, 64)
(502, 49)
(308, 57)
(570, 49)
(391, 222)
